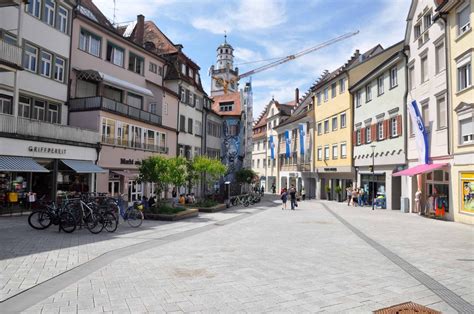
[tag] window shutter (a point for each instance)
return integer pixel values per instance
(354, 137)
(386, 128)
(179, 93)
(399, 125)
(362, 136)
(187, 97)
(373, 131)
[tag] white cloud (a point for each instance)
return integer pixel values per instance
(246, 55)
(127, 10)
(248, 15)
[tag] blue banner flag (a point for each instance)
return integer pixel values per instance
(272, 147)
(302, 135)
(420, 132)
(288, 142)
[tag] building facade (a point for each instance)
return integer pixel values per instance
(379, 120)
(39, 152)
(460, 41)
(259, 149)
(117, 89)
(427, 85)
(296, 148)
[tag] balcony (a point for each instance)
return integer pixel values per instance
(10, 57)
(37, 129)
(106, 104)
(134, 145)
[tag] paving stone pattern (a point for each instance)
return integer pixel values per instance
(285, 261)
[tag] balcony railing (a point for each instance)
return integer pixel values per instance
(135, 145)
(10, 54)
(35, 129)
(103, 103)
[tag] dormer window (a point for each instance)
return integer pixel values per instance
(183, 68)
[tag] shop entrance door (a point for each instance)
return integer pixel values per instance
(135, 191)
(114, 188)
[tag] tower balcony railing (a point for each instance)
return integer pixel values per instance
(106, 104)
(134, 144)
(10, 55)
(39, 129)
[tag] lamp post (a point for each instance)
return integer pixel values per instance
(373, 175)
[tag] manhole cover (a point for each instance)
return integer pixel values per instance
(406, 308)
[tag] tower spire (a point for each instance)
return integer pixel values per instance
(225, 36)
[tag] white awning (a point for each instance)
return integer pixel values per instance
(125, 85)
(82, 166)
(20, 164)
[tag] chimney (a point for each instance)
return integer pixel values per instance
(297, 96)
(140, 29)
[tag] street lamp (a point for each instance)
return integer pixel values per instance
(373, 175)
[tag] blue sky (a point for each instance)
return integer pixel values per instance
(263, 29)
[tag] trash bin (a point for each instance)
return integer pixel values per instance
(404, 205)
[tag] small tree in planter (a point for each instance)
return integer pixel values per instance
(338, 191)
(177, 171)
(328, 191)
(210, 170)
(155, 169)
(245, 176)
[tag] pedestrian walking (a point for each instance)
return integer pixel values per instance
(355, 197)
(303, 194)
(293, 197)
(349, 195)
(262, 190)
(274, 188)
(284, 198)
(361, 197)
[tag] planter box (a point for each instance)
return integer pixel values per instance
(188, 213)
(212, 209)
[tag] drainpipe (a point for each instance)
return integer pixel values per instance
(16, 79)
(447, 70)
(405, 102)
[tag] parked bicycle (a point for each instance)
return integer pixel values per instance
(49, 214)
(240, 200)
(86, 214)
(133, 215)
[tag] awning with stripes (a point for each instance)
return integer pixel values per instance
(20, 164)
(82, 166)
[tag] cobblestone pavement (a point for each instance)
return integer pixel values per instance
(309, 260)
(29, 257)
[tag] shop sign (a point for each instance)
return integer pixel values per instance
(330, 169)
(467, 196)
(125, 161)
(47, 150)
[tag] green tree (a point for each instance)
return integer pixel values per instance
(177, 171)
(207, 169)
(155, 169)
(245, 175)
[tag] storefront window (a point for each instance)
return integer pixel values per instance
(437, 191)
(467, 186)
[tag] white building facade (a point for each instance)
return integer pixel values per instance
(427, 85)
(379, 123)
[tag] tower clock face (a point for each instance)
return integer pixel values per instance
(218, 83)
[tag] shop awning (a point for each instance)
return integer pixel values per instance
(82, 166)
(418, 170)
(127, 174)
(20, 164)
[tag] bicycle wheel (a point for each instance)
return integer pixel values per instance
(134, 217)
(111, 222)
(67, 222)
(246, 203)
(94, 223)
(39, 220)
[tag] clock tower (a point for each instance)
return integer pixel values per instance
(224, 78)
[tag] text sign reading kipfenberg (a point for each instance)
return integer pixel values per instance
(48, 150)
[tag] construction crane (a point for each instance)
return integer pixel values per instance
(226, 82)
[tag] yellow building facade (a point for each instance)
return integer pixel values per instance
(332, 133)
(460, 46)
